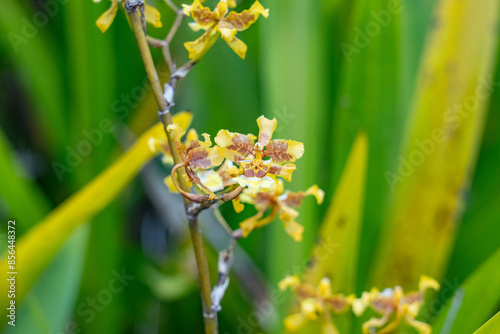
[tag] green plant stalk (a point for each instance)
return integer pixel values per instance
(210, 318)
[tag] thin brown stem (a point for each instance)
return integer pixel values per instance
(133, 7)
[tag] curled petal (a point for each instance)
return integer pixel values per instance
(234, 146)
(284, 171)
(289, 282)
(104, 21)
(202, 44)
(427, 282)
(295, 199)
(237, 205)
(203, 16)
(246, 18)
(176, 133)
(294, 322)
(284, 150)
(266, 130)
(255, 222)
(153, 16)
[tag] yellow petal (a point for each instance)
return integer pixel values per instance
(211, 180)
(237, 205)
(104, 21)
(316, 192)
(226, 31)
(266, 130)
(284, 150)
(176, 133)
(231, 3)
(289, 282)
(310, 308)
(238, 46)
(246, 18)
(325, 287)
(234, 146)
(284, 171)
(153, 16)
(294, 322)
(202, 44)
(255, 184)
(427, 282)
(294, 229)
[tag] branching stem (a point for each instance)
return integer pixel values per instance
(133, 8)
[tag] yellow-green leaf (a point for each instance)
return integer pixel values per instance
(335, 255)
(35, 249)
(492, 326)
(434, 169)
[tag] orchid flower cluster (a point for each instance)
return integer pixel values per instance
(391, 304)
(249, 167)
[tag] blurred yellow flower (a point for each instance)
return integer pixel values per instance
(395, 301)
(217, 22)
(106, 19)
(315, 302)
(281, 202)
(243, 150)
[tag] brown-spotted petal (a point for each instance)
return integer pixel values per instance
(234, 146)
(203, 16)
(281, 150)
(266, 129)
(284, 171)
(246, 18)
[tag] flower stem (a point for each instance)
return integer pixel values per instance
(133, 7)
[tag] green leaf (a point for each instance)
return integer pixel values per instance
(474, 301)
(440, 148)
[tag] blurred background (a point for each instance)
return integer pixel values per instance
(325, 70)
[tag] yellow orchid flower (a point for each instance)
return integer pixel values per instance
(104, 21)
(394, 301)
(281, 202)
(219, 22)
(315, 302)
(250, 155)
